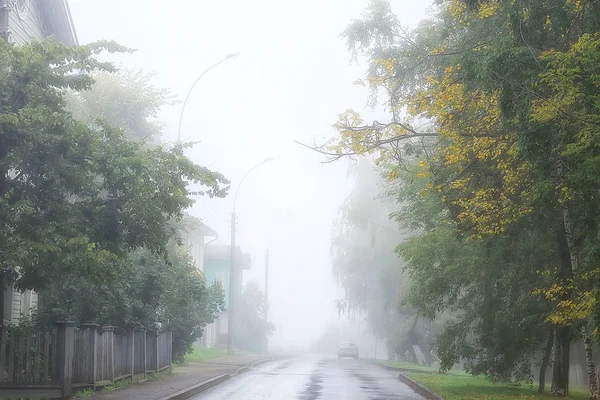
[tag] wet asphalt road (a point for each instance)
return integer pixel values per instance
(313, 378)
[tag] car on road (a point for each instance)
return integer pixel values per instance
(348, 349)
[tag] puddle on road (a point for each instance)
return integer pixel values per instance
(313, 388)
(369, 386)
(284, 365)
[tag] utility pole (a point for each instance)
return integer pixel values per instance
(232, 287)
(266, 307)
(234, 268)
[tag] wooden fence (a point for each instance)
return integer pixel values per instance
(55, 363)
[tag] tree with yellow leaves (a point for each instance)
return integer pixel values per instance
(503, 97)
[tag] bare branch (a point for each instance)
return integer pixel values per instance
(377, 144)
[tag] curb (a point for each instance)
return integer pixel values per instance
(252, 365)
(202, 386)
(410, 370)
(419, 388)
(195, 389)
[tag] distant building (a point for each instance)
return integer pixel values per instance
(216, 268)
(22, 21)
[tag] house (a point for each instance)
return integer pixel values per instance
(20, 22)
(195, 241)
(25, 20)
(216, 268)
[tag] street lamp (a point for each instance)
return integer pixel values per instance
(232, 267)
(227, 57)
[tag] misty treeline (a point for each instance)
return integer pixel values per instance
(254, 328)
(91, 204)
(490, 157)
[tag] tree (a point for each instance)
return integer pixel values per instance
(495, 324)
(503, 88)
(150, 294)
(75, 199)
(253, 329)
(124, 99)
(364, 262)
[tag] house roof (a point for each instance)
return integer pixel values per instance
(59, 21)
(223, 252)
(203, 230)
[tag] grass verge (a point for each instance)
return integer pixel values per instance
(467, 387)
(200, 354)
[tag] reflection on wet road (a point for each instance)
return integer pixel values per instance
(313, 378)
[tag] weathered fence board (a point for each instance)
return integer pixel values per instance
(51, 364)
(3, 337)
(151, 353)
(164, 350)
(122, 355)
(139, 354)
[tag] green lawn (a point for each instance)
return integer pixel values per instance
(200, 354)
(466, 387)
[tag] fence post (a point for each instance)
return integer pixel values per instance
(145, 354)
(91, 346)
(108, 332)
(64, 353)
(3, 340)
(170, 349)
(157, 353)
(132, 355)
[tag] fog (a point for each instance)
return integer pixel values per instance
(292, 78)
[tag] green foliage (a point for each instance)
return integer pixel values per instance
(504, 201)
(189, 305)
(90, 214)
(497, 324)
(150, 294)
(74, 198)
(124, 99)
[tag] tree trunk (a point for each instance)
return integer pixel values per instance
(562, 344)
(568, 267)
(2, 289)
(560, 373)
(591, 367)
(545, 362)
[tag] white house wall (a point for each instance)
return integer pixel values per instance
(23, 304)
(28, 24)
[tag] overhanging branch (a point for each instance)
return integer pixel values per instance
(376, 128)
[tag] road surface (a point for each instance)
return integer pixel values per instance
(313, 378)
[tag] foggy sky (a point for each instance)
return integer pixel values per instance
(291, 80)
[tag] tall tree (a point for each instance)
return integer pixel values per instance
(508, 89)
(495, 323)
(125, 99)
(76, 198)
(364, 262)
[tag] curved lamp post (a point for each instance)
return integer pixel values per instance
(227, 57)
(232, 267)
